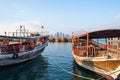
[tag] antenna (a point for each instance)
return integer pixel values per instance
(42, 29)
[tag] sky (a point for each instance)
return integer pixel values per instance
(59, 15)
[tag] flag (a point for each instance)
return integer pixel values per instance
(42, 27)
(20, 26)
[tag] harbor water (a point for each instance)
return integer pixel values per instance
(55, 63)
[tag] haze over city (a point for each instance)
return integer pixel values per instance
(59, 15)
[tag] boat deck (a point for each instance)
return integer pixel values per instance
(100, 65)
(96, 58)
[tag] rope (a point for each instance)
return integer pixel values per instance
(74, 73)
(109, 74)
(69, 71)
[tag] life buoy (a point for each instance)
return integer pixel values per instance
(15, 56)
(32, 45)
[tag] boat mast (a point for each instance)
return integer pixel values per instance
(87, 43)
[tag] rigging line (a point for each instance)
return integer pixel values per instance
(74, 73)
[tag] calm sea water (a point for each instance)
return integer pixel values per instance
(55, 63)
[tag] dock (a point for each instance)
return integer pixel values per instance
(59, 40)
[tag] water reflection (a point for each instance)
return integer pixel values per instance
(31, 70)
(86, 74)
(57, 64)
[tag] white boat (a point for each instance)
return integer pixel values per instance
(21, 46)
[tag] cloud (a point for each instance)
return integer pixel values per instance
(117, 16)
(21, 11)
(103, 26)
(31, 25)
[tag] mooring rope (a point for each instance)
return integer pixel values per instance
(109, 74)
(73, 73)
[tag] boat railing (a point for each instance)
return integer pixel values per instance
(106, 46)
(113, 51)
(103, 46)
(98, 50)
(108, 51)
(3, 49)
(92, 51)
(82, 51)
(17, 48)
(112, 47)
(26, 33)
(42, 33)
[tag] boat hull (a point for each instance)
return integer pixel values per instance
(6, 60)
(99, 67)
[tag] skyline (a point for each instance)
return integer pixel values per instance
(59, 15)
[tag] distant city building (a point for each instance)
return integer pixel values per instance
(51, 36)
(57, 34)
(60, 35)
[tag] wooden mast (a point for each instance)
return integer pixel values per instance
(87, 43)
(72, 41)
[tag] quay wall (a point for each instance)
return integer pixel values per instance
(59, 40)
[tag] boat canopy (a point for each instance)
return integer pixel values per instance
(108, 33)
(22, 37)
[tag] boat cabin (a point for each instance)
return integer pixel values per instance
(20, 41)
(102, 43)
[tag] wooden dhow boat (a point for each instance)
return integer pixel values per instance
(21, 46)
(98, 51)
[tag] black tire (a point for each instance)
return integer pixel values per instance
(15, 56)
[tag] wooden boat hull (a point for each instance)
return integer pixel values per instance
(101, 67)
(98, 51)
(6, 60)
